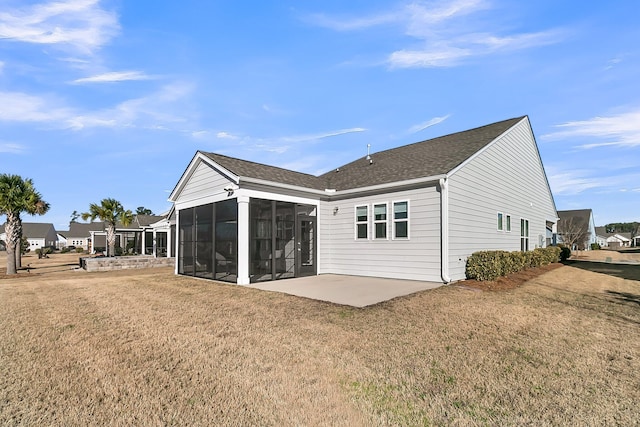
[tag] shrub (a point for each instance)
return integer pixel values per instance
(79, 250)
(489, 265)
(65, 250)
(565, 253)
(595, 247)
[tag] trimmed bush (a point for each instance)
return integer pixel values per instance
(489, 265)
(595, 247)
(79, 250)
(565, 253)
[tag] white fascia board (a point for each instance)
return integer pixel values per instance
(257, 194)
(283, 186)
(213, 198)
(332, 193)
(197, 159)
(389, 186)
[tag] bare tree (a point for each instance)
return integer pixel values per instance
(573, 233)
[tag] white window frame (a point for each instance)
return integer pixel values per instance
(384, 221)
(357, 223)
(500, 221)
(524, 234)
(396, 221)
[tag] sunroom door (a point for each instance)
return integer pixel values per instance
(306, 246)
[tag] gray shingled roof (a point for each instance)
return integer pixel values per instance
(34, 230)
(580, 217)
(268, 173)
(432, 157)
(81, 229)
(428, 158)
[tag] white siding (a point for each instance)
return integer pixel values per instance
(203, 182)
(417, 258)
(507, 177)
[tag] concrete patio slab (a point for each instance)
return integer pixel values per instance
(355, 291)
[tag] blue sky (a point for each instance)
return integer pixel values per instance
(112, 98)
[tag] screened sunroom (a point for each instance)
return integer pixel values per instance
(281, 240)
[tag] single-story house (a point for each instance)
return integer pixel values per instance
(601, 236)
(614, 240)
(413, 212)
(38, 234)
(578, 227)
(147, 234)
(79, 234)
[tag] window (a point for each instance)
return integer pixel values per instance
(524, 234)
(380, 221)
(508, 225)
(362, 222)
(500, 228)
(401, 220)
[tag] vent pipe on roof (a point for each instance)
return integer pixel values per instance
(369, 154)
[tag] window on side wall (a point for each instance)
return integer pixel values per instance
(362, 222)
(380, 220)
(524, 234)
(500, 221)
(401, 220)
(508, 222)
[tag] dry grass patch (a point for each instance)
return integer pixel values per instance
(147, 347)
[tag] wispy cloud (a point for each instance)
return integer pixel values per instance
(445, 33)
(157, 111)
(21, 107)
(572, 182)
(622, 130)
(324, 135)
(11, 147)
(80, 24)
(226, 135)
(349, 24)
(161, 110)
(431, 122)
(114, 76)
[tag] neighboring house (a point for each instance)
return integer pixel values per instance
(62, 239)
(601, 236)
(39, 235)
(578, 228)
(79, 234)
(614, 240)
(414, 212)
(147, 234)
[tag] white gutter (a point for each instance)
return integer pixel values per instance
(283, 186)
(444, 229)
(391, 185)
(337, 193)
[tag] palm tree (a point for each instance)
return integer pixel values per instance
(17, 195)
(111, 212)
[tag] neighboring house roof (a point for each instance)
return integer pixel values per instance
(82, 229)
(34, 230)
(580, 217)
(601, 231)
(424, 159)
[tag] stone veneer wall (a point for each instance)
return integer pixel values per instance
(125, 262)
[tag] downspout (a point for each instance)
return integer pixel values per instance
(444, 230)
